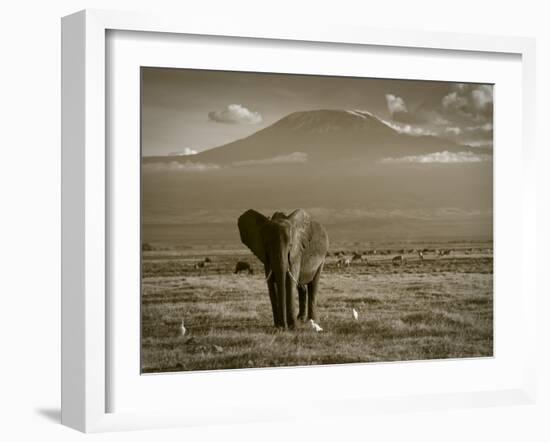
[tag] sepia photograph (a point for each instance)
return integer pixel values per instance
(298, 220)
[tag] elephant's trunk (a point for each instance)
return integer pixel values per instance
(279, 272)
(280, 278)
(291, 283)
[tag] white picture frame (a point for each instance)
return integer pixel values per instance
(86, 206)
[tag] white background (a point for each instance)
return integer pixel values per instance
(30, 221)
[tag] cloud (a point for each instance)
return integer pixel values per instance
(444, 157)
(395, 104)
(186, 151)
(487, 127)
(488, 144)
(472, 101)
(194, 166)
(454, 101)
(235, 114)
(399, 111)
(408, 129)
(335, 216)
(469, 135)
(439, 120)
(295, 157)
(176, 166)
(453, 130)
(483, 132)
(482, 97)
(325, 215)
(361, 113)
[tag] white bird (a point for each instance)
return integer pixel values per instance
(315, 326)
(182, 328)
(354, 313)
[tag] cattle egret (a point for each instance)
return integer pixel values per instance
(182, 328)
(315, 326)
(355, 314)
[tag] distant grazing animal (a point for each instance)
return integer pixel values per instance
(359, 257)
(315, 326)
(354, 314)
(398, 260)
(203, 263)
(444, 252)
(200, 265)
(293, 250)
(343, 262)
(243, 266)
(146, 247)
(420, 255)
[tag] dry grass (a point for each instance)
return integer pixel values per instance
(438, 308)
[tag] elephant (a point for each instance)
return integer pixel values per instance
(292, 249)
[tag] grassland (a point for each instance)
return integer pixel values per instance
(439, 307)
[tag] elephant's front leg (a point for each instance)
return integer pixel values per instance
(290, 315)
(302, 302)
(312, 288)
(273, 298)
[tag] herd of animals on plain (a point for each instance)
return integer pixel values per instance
(343, 259)
(293, 250)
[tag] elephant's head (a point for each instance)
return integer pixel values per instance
(279, 242)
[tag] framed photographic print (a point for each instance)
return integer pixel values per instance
(291, 222)
(379, 196)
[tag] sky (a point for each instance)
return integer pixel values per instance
(415, 192)
(185, 111)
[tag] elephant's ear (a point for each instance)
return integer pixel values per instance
(311, 242)
(301, 223)
(278, 215)
(250, 224)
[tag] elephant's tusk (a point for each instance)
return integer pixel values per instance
(292, 277)
(267, 278)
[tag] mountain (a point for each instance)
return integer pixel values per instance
(323, 135)
(327, 162)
